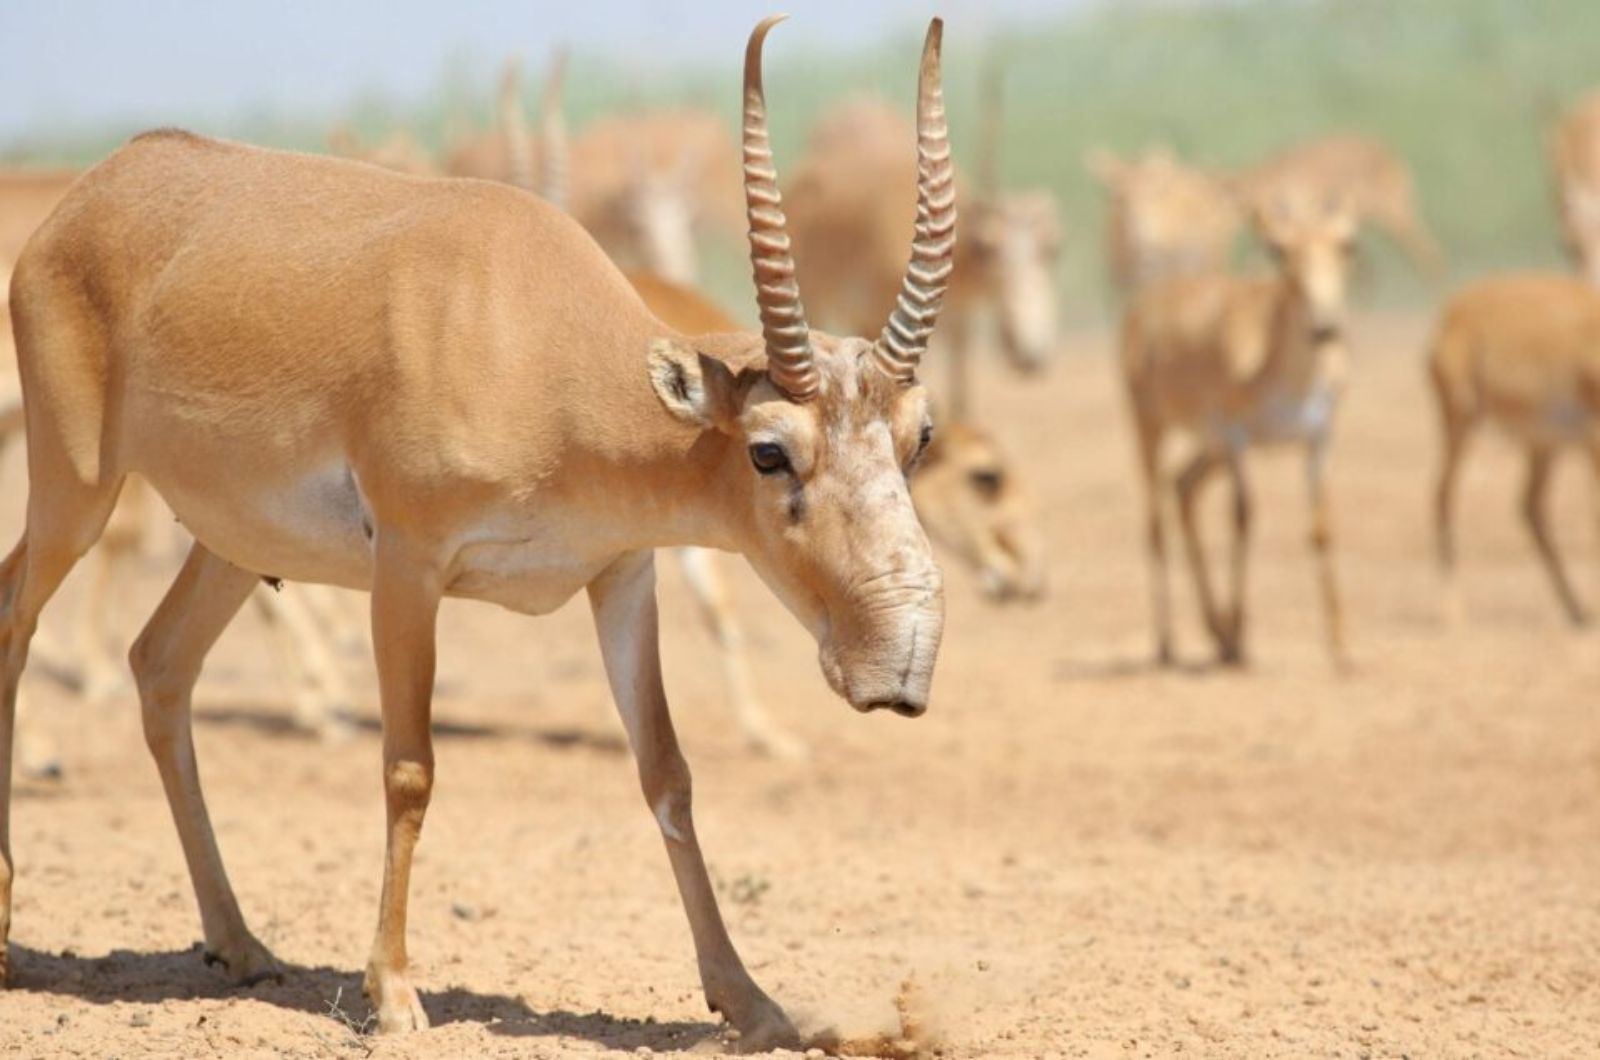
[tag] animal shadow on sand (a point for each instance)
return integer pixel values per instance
(1113, 667)
(277, 720)
(124, 976)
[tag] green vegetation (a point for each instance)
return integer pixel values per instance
(1466, 90)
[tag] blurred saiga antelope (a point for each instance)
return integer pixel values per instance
(1575, 161)
(1521, 353)
(1163, 218)
(338, 374)
(1377, 184)
(1234, 363)
(847, 201)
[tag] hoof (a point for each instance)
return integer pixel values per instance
(396, 1003)
(246, 963)
(758, 1024)
(774, 743)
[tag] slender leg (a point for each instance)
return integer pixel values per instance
(317, 686)
(1190, 481)
(62, 523)
(1149, 438)
(1241, 547)
(1455, 439)
(100, 669)
(624, 603)
(166, 662)
(341, 619)
(1541, 460)
(407, 585)
(1322, 547)
(705, 583)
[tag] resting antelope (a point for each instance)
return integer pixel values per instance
(423, 388)
(1575, 156)
(1236, 362)
(1522, 353)
(1377, 184)
(1163, 218)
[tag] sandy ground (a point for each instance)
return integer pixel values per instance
(1072, 854)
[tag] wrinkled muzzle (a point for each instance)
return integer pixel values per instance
(882, 640)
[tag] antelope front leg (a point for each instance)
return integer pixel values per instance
(1190, 481)
(406, 588)
(624, 603)
(1322, 546)
(709, 591)
(1241, 552)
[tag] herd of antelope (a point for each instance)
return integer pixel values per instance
(490, 374)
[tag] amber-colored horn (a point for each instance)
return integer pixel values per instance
(783, 321)
(905, 338)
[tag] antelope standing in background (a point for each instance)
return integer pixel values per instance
(507, 153)
(338, 374)
(398, 151)
(1377, 184)
(1522, 353)
(1163, 218)
(847, 199)
(1236, 362)
(645, 184)
(1575, 159)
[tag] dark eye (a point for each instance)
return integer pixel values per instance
(769, 458)
(925, 439)
(988, 481)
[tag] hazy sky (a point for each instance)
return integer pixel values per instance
(145, 62)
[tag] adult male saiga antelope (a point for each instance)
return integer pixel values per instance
(425, 388)
(1237, 362)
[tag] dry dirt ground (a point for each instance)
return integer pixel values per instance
(1072, 854)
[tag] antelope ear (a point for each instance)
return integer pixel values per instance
(695, 388)
(1105, 166)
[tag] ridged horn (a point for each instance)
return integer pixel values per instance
(790, 363)
(555, 150)
(905, 338)
(514, 126)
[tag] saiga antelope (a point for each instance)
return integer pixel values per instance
(1163, 218)
(398, 151)
(1575, 159)
(505, 153)
(338, 374)
(1237, 362)
(846, 200)
(1377, 184)
(1523, 353)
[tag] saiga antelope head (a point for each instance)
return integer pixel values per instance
(1311, 239)
(1015, 247)
(827, 429)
